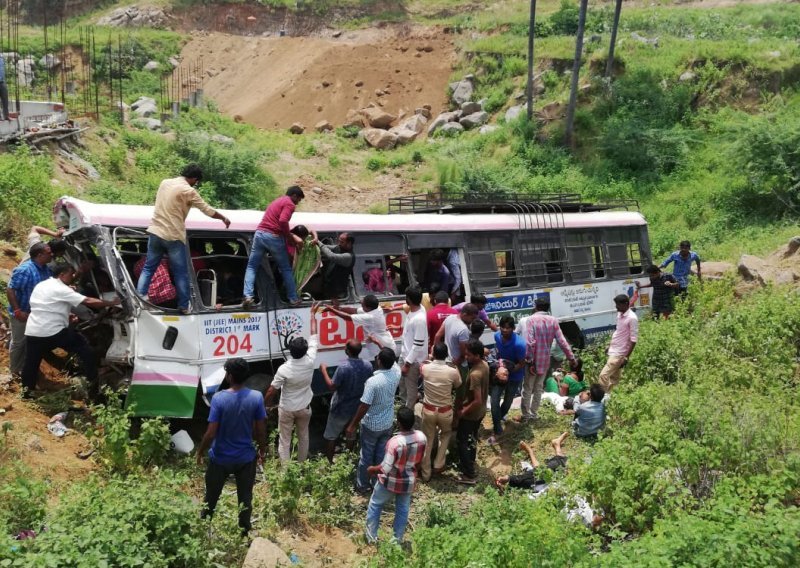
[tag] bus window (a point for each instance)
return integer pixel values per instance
(492, 262)
(542, 261)
(219, 264)
(585, 256)
(624, 252)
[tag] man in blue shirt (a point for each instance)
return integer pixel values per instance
(3, 88)
(683, 260)
(235, 414)
(376, 416)
(348, 387)
(511, 349)
(24, 279)
(590, 413)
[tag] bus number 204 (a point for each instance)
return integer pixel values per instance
(231, 345)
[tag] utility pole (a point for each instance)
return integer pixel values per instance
(612, 45)
(531, 32)
(576, 68)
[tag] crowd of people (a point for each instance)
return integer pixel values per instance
(444, 376)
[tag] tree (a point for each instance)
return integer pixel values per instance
(614, 28)
(529, 90)
(576, 68)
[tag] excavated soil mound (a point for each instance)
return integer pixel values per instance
(273, 82)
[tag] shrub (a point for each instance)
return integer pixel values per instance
(376, 163)
(26, 194)
(564, 21)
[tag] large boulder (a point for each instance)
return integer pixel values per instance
(152, 66)
(751, 268)
(470, 107)
(49, 61)
(716, 270)
(377, 117)
(379, 138)
(463, 89)
(297, 128)
(791, 248)
(416, 123)
(145, 107)
(474, 119)
(353, 118)
(323, 126)
(443, 119)
(452, 128)
(404, 135)
(514, 112)
(265, 554)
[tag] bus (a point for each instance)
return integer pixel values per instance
(579, 255)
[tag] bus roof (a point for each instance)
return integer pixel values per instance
(139, 216)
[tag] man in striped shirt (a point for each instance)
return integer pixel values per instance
(538, 331)
(397, 475)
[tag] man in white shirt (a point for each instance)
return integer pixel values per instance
(369, 316)
(415, 344)
(293, 380)
(48, 326)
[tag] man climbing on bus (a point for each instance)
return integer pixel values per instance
(371, 318)
(337, 266)
(167, 231)
(272, 234)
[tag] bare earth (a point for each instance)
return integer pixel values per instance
(274, 82)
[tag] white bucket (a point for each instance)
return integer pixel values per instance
(182, 442)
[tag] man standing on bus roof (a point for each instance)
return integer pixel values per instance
(538, 331)
(622, 343)
(174, 199)
(682, 267)
(271, 236)
(237, 417)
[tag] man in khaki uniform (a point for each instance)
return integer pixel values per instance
(440, 381)
(174, 199)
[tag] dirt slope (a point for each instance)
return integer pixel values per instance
(272, 82)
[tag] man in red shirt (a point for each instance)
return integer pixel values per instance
(271, 236)
(438, 313)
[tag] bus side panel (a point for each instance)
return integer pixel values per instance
(163, 388)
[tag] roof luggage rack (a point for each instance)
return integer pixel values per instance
(501, 202)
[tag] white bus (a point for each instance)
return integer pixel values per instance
(578, 254)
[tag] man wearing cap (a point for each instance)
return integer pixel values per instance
(167, 232)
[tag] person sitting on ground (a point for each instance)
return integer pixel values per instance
(664, 287)
(536, 477)
(480, 301)
(371, 318)
(348, 387)
(397, 475)
(337, 266)
(48, 327)
(570, 383)
(272, 235)
(590, 413)
(293, 379)
(237, 417)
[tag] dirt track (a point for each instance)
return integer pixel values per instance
(273, 82)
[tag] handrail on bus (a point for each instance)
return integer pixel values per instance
(502, 200)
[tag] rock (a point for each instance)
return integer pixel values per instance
(426, 112)
(174, 62)
(136, 17)
(316, 190)
(785, 277)
(452, 128)
(792, 247)
(716, 270)
(153, 65)
(404, 135)
(379, 138)
(25, 74)
(222, 139)
(645, 40)
(49, 61)
(595, 38)
(323, 126)
(353, 118)
(265, 554)
(85, 167)
(750, 268)
(297, 128)
(686, 76)
(462, 92)
(326, 84)
(441, 120)
(469, 107)
(550, 111)
(416, 123)
(514, 112)
(148, 123)
(488, 128)
(359, 83)
(337, 33)
(474, 119)
(377, 117)
(145, 107)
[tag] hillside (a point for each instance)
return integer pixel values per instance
(699, 124)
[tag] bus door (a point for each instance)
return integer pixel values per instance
(423, 249)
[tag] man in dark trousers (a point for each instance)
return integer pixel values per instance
(236, 414)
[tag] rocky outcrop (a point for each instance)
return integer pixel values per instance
(462, 90)
(136, 17)
(145, 107)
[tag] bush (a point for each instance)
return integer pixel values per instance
(564, 21)
(24, 499)
(26, 194)
(136, 521)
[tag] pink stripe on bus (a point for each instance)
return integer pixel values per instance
(170, 378)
